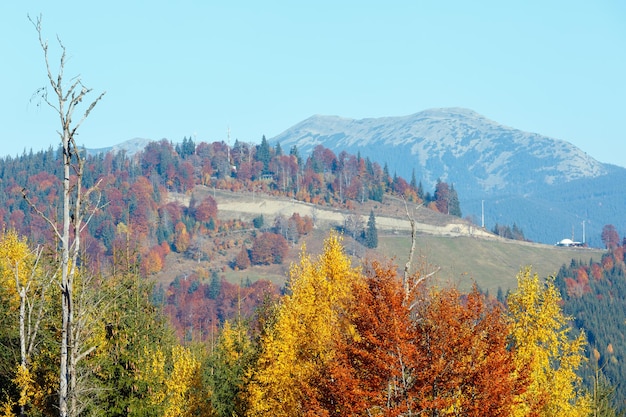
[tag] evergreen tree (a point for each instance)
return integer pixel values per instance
(420, 191)
(386, 177)
(258, 221)
(263, 154)
(278, 150)
(215, 286)
(413, 180)
(294, 152)
(369, 167)
(188, 148)
(454, 206)
(371, 234)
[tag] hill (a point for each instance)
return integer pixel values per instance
(463, 253)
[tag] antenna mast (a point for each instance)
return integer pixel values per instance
(583, 232)
(482, 216)
(228, 143)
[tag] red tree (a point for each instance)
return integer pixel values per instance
(610, 238)
(465, 360)
(268, 248)
(205, 210)
(371, 364)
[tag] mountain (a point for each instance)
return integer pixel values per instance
(542, 184)
(131, 147)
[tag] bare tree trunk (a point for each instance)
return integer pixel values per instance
(411, 281)
(64, 103)
(29, 326)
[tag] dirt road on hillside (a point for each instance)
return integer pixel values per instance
(246, 206)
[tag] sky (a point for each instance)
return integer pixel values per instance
(226, 70)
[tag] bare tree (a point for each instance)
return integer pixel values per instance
(65, 100)
(30, 286)
(412, 280)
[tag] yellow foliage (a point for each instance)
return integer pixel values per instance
(26, 384)
(300, 342)
(178, 387)
(540, 332)
(6, 408)
(16, 259)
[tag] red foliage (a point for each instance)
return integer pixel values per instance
(304, 225)
(610, 237)
(596, 271)
(242, 260)
(173, 210)
(193, 313)
(366, 367)
(205, 210)
(464, 358)
(268, 248)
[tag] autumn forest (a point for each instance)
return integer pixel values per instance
(86, 330)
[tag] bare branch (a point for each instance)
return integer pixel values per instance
(89, 109)
(40, 213)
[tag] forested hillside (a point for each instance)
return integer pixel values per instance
(594, 292)
(132, 194)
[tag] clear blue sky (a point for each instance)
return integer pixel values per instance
(198, 68)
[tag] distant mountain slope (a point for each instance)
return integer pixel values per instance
(524, 177)
(443, 143)
(131, 147)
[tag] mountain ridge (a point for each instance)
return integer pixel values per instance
(434, 137)
(513, 171)
(546, 186)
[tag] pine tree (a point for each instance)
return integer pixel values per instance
(371, 234)
(420, 191)
(454, 206)
(263, 154)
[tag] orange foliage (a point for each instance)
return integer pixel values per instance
(370, 363)
(618, 254)
(596, 271)
(607, 262)
(465, 362)
(205, 210)
(181, 238)
(152, 262)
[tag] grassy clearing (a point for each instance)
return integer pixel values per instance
(489, 263)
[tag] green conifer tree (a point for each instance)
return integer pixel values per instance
(371, 234)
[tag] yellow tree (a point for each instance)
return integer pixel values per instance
(541, 337)
(176, 382)
(25, 287)
(299, 344)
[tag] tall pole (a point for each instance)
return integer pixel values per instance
(583, 232)
(482, 216)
